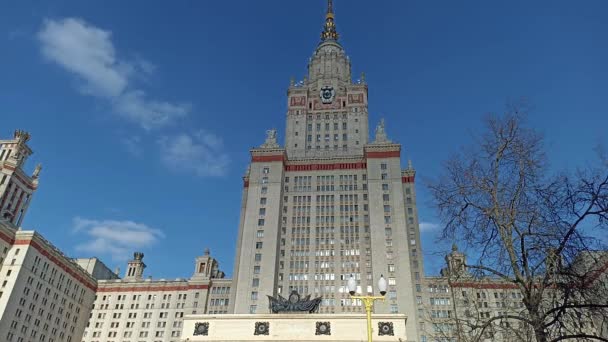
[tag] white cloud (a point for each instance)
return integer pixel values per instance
(429, 226)
(115, 238)
(88, 52)
(201, 153)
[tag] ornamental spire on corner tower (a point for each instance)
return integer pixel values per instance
(329, 29)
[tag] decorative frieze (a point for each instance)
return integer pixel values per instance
(262, 328)
(323, 328)
(201, 329)
(385, 328)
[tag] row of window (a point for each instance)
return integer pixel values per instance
(327, 126)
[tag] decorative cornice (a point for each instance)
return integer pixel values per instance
(267, 158)
(73, 270)
(388, 150)
(332, 166)
(8, 239)
(408, 179)
(27, 181)
(408, 175)
(263, 155)
(143, 287)
(382, 154)
(477, 285)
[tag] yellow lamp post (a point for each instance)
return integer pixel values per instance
(368, 301)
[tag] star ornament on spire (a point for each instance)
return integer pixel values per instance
(329, 29)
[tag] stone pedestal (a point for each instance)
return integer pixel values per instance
(293, 327)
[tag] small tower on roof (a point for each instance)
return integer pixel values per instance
(16, 187)
(206, 267)
(135, 267)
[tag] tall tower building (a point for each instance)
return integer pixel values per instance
(16, 187)
(330, 203)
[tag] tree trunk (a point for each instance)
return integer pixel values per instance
(540, 333)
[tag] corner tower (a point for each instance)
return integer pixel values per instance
(330, 203)
(16, 187)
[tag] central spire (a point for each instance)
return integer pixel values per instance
(329, 29)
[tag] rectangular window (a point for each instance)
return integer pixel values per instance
(258, 257)
(255, 282)
(262, 211)
(260, 222)
(260, 234)
(383, 166)
(385, 187)
(253, 309)
(256, 269)
(391, 268)
(263, 200)
(387, 208)
(254, 295)
(266, 170)
(258, 245)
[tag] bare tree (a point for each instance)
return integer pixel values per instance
(530, 227)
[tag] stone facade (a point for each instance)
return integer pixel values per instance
(330, 203)
(44, 295)
(293, 327)
(136, 308)
(455, 300)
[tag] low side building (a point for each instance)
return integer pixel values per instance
(44, 295)
(455, 302)
(136, 308)
(97, 268)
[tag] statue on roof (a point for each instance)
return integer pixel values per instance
(37, 170)
(381, 134)
(271, 139)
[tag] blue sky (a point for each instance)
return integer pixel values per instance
(142, 112)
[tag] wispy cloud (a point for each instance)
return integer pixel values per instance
(201, 153)
(114, 238)
(133, 145)
(88, 52)
(429, 226)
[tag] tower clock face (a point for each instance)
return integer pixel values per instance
(327, 94)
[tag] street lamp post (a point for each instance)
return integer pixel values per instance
(368, 301)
